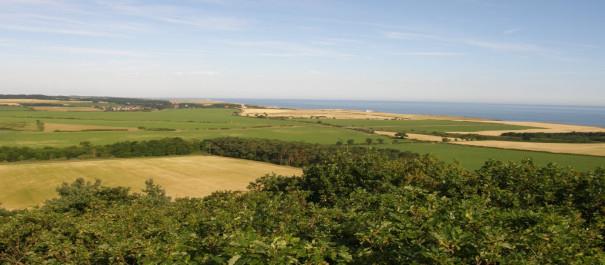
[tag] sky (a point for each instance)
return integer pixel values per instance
(528, 52)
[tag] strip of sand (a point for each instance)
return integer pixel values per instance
(369, 115)
(430, 138)
(597, 149)
(337, 114)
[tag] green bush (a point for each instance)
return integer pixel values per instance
(346, 209)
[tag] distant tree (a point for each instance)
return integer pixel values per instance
(369, 141)
(350, 141)
(339, 142)
(40, 125)
(445, 139)
(401, 135)
(380, 140)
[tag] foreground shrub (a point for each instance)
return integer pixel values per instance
(348, 209)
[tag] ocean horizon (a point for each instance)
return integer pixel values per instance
(580, 115)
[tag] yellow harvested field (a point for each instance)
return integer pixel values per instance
(596, 149)
(429, 138)
(419, 137)
(66, 109)
(386, 133)
(337, 114)
(53, 127)
(541, 127)
(29, 184)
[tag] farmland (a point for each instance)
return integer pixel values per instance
(66, 128)
(427, 126)
(29, 184)
(472, 157)
(187, 123)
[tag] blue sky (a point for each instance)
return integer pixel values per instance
(543, 52)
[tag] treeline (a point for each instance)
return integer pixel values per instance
(162, 147)
(572, 137)
(272, 151)
(347, 209)
(285, 153)
(543, 137)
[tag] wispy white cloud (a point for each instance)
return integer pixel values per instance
(429, 54)
(30, 2)
(335, 41)
(499, 46)
(64, 31)
(6, 42)
(197, 73)
(32, 17)
(412, 36)
(511, 31)
(285, 49)
(505, 46)
(65, 25)
(178, 15)
(212, 23)
(97, 51)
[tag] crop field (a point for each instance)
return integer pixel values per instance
(29, 184)
(423, 125)
(474, 157)
(20, 127)
(66, 109)
(192, 124)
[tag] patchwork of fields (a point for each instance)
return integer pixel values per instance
(20, 127)
(27, 184)
(186, 123)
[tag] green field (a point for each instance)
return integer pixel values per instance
(473, 157)
(21, 130)
(189, 123)
(427, 126)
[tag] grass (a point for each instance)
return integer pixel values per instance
(423, 125)
(29, 184)
(48, 108)
(17, 125)
(474, 157)
(211, 123)
(189, 124)
(311, 134)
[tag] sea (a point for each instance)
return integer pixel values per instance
(580, 115)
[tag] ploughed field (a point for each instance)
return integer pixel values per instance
(30, 184)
